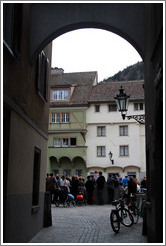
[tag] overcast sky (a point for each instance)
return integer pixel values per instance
(93, 50)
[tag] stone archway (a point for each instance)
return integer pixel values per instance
(103, 16)
(65, 165)
(79, 166)
(142, 25)
(54, 165)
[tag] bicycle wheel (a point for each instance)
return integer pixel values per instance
(73, 203)
(126, 217)
(68, 203)
(65, 204)
(57, 203)
(79, 203)
(114, 220)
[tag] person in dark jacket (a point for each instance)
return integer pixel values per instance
(51, 184)
(74, 185)
(89, 185)
(130, 186)
(100, 186)
(110, 188)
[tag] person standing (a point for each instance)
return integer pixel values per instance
(96, 175)
(143, 183)
(135, 185)
(121, 190)
(89, 188)
(74, 185)
(125, 181)
(51, 185)
(100, 186)
(65, 182)
(110, 188)
(120, 180)
(130, 187)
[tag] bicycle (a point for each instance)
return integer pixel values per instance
(135, 210)
(120, 215)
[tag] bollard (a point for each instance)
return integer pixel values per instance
(47, 210)
(144, 227)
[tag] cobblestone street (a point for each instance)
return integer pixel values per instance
(86, 224)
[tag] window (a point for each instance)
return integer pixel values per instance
(55, 171)
(97, 108)
(65, 142)
(141, 106)
(55, 117)
(36, 177)
(138, 106)
(57, 142)
(72, 141)
(12, 21)
(123, 130)
(60, 95)
(133, 174)
(60, 117)
(101, 131)
(116, 174)
(67, 172)
(65, 117)
(78, 172)
(101, 151)
(112, 107)
(124, 150)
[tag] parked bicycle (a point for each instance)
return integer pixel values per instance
(120, 214)
(132, 206)
(137, 211)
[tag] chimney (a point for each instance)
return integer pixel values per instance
(57, 71)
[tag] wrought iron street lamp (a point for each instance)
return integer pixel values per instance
(122, 101)
(110, 155)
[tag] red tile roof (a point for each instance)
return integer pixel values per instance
(83, 83)
(106, 91)
(86, 92)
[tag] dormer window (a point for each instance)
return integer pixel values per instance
(60, 95)
(138, 106)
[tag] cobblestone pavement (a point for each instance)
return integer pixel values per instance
(86, 224)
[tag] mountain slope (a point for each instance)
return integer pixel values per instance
(134, 72)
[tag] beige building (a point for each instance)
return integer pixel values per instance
(108, 132)
(27, 29)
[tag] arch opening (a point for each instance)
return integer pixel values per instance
(87, 25)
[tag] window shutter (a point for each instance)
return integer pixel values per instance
(47, 77)
(39, 72)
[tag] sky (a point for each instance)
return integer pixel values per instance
(89, 49)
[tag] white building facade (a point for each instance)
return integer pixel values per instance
(108, 132)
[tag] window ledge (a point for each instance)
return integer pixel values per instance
(35, 209)
(60, 122)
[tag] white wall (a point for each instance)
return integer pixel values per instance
(112, 140)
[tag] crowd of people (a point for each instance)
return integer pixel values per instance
(128, 185)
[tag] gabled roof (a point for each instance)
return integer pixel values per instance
(79, 78)
(82, 83)
(106, 91)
